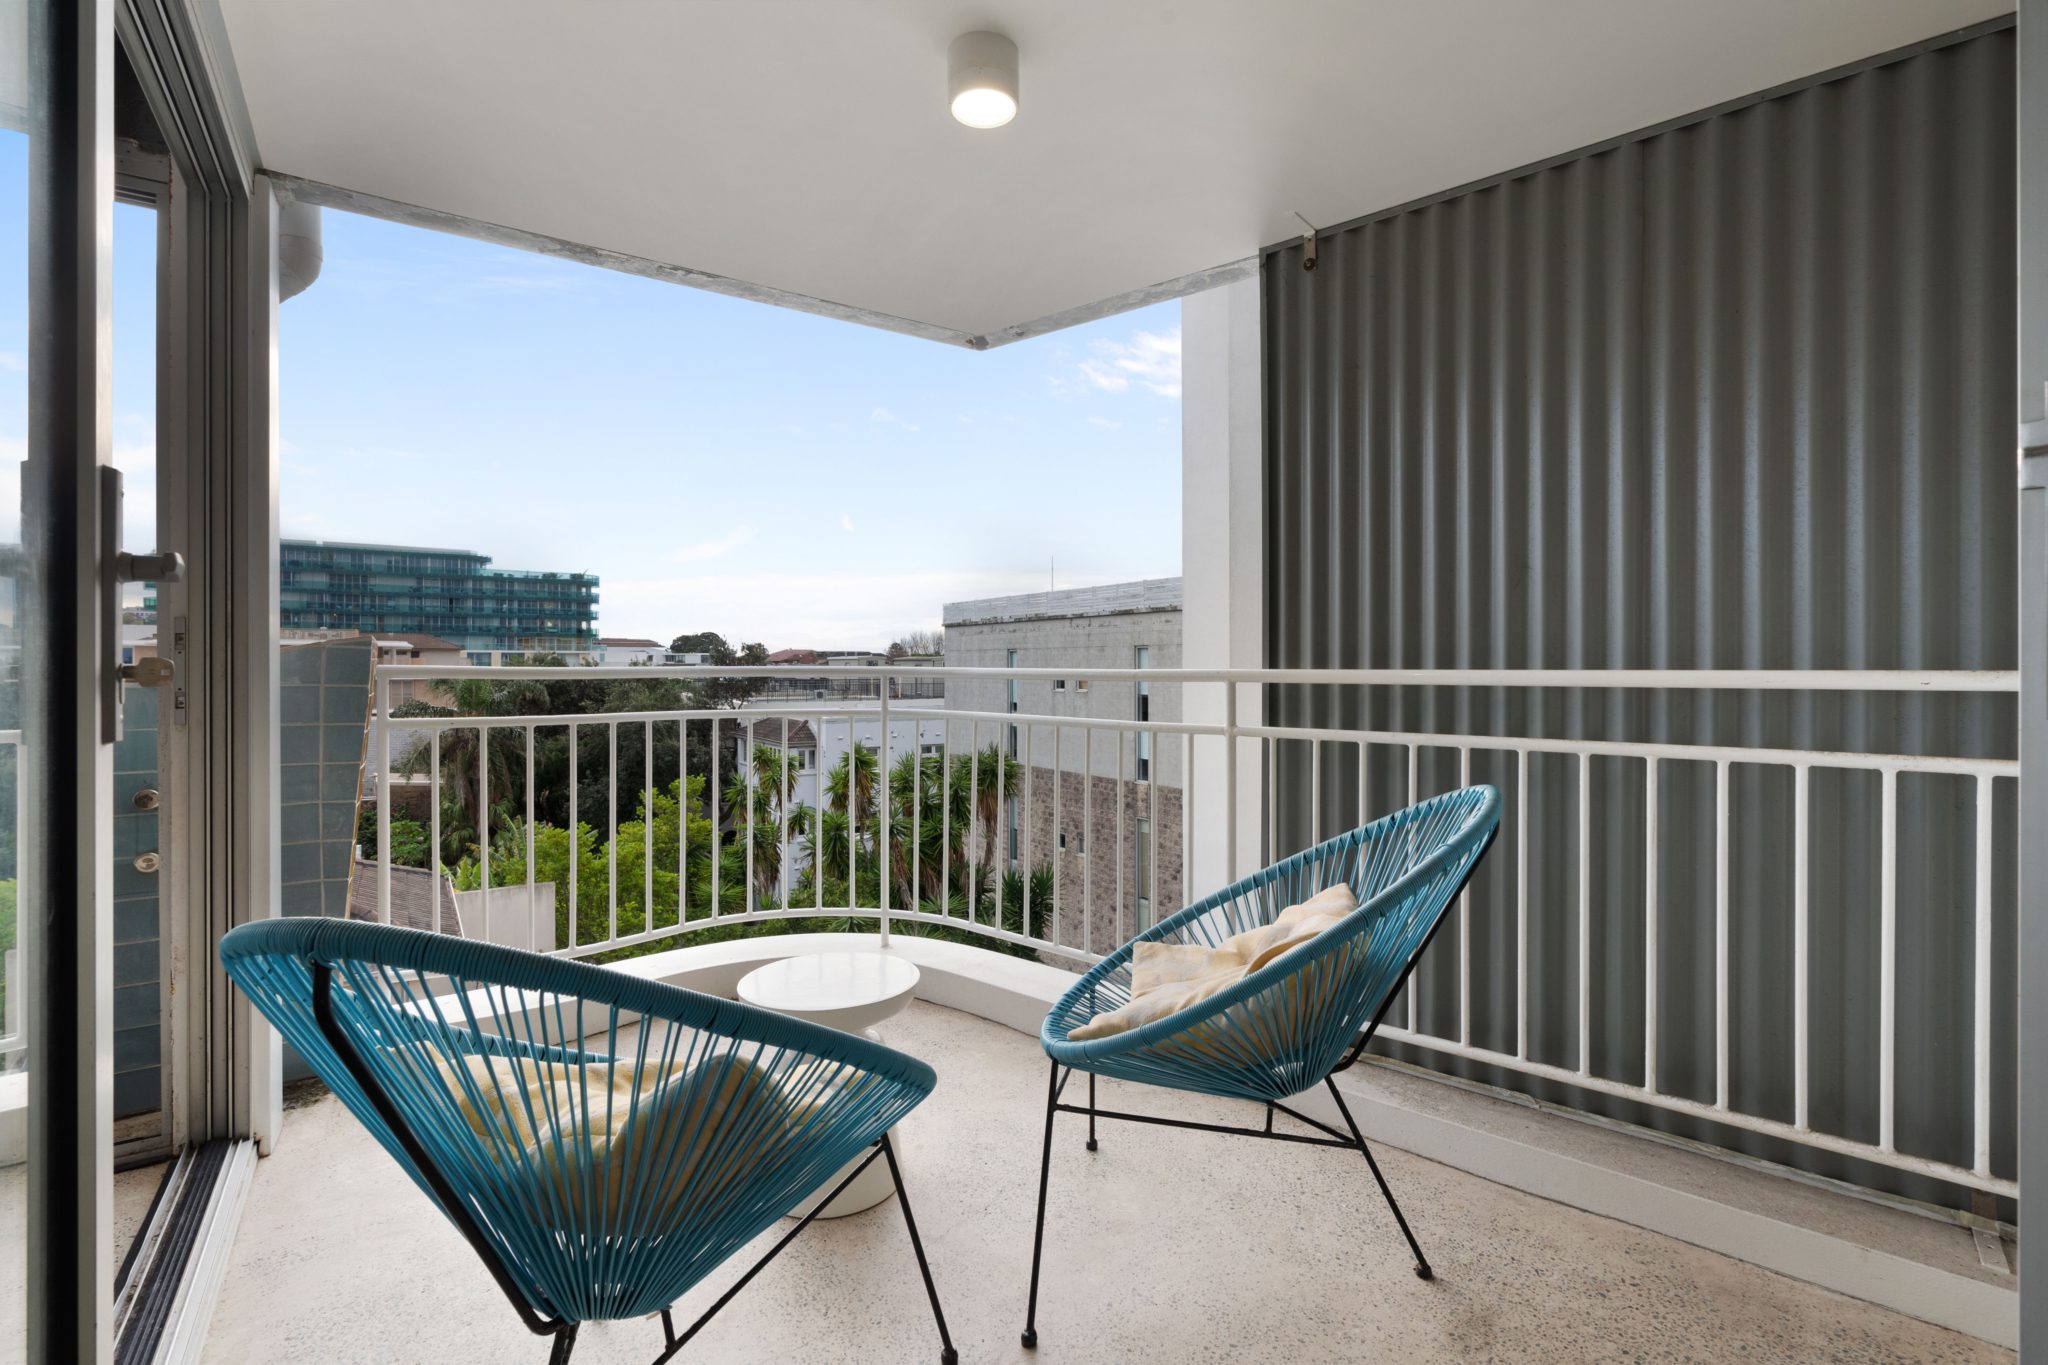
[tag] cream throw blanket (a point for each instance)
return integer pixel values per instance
(547, 1108)
(1167, 978)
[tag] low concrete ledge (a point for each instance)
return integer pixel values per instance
(1907, 1262)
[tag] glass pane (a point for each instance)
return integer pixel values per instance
(16, 899)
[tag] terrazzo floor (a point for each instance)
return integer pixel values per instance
(1164, 1245)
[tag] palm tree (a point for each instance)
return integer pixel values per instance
(463, 751)
(755, 793)
(989, 776)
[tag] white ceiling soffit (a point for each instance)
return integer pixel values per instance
(802, 151)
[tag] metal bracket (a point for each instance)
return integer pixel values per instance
(118, 569)
(1308, 244)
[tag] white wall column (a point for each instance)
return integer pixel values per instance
(1223, 573)
(2033, 597)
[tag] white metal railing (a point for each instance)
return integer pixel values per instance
(1198, 773)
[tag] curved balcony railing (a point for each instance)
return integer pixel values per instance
(1628, 872)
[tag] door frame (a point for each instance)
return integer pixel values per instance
(67, 770)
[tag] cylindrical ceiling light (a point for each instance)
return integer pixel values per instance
(981, 70)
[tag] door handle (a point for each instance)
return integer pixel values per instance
(118, 568)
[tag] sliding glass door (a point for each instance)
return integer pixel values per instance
(56, 1063)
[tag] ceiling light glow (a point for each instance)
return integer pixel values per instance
(981, 70)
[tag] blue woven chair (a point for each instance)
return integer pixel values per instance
(1295, 1022)
(603, 1142)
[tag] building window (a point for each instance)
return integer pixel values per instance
(1012, 739)
(1141, 657)
(1143, 895)
(1016, 851)
(1059, 684)
(806, 759)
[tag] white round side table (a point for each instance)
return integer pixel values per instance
(851, 991)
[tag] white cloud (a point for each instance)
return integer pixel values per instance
(845, 522)
(1148, 361)
(1106, 423)
(712, 549)
(888, 418)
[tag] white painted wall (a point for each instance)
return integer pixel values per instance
(1223, 620)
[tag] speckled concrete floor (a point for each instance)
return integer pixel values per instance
(1163, 1246)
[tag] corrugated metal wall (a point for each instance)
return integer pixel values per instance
(1735, 394)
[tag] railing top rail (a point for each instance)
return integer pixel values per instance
(1652, 679)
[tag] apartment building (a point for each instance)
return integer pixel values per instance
(1122, 826)
(405, 589)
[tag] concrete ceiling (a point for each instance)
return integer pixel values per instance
(804, 146)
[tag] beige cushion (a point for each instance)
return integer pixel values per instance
(1167, 978)
(545, 1111)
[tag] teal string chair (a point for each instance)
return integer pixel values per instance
(1295, 1022)
(603, 1142)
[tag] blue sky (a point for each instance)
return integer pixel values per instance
(720, 464)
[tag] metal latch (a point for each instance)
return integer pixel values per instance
(120, 568)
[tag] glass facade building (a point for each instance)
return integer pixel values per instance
(455, 594)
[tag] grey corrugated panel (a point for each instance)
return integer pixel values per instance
(1733, 395)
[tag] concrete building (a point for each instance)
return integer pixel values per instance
(395, 589)
(616, 650)
(1119, 830)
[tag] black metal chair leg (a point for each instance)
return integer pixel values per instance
(947, 1355)
(565, 1343)
(1091, 1111)
(1052, 1095)
(1421, 1262)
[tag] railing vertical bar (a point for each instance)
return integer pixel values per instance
(683, 819)
(714, 802)
(1187, 824)
(1650, 803)
(1585, 860)
(818, 816)
(1315, 792)
(1981, 1004)
(976, 834)
(611, 843)
(575, 835)
(1059, 829)
(917, 815)
(885, 865)
(1229, 781)
(1522, 904)
(1123, 798)
(1414, 775)
(1465, 922)
(1087, 830)
(1152, 825)
(750, 778)
(783, 876)
(946, 819)
(1888, 963)
(1270, 754)
(647, 826)
(1721, 1077)
(385, 798)
(853, 747)
(1802, 1089)
(483, 809)
(532, 909)
(1364, 798)
(1024, 822)
(433, 829)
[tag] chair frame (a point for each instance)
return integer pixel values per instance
(563, 1331)
(1352, 1139)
